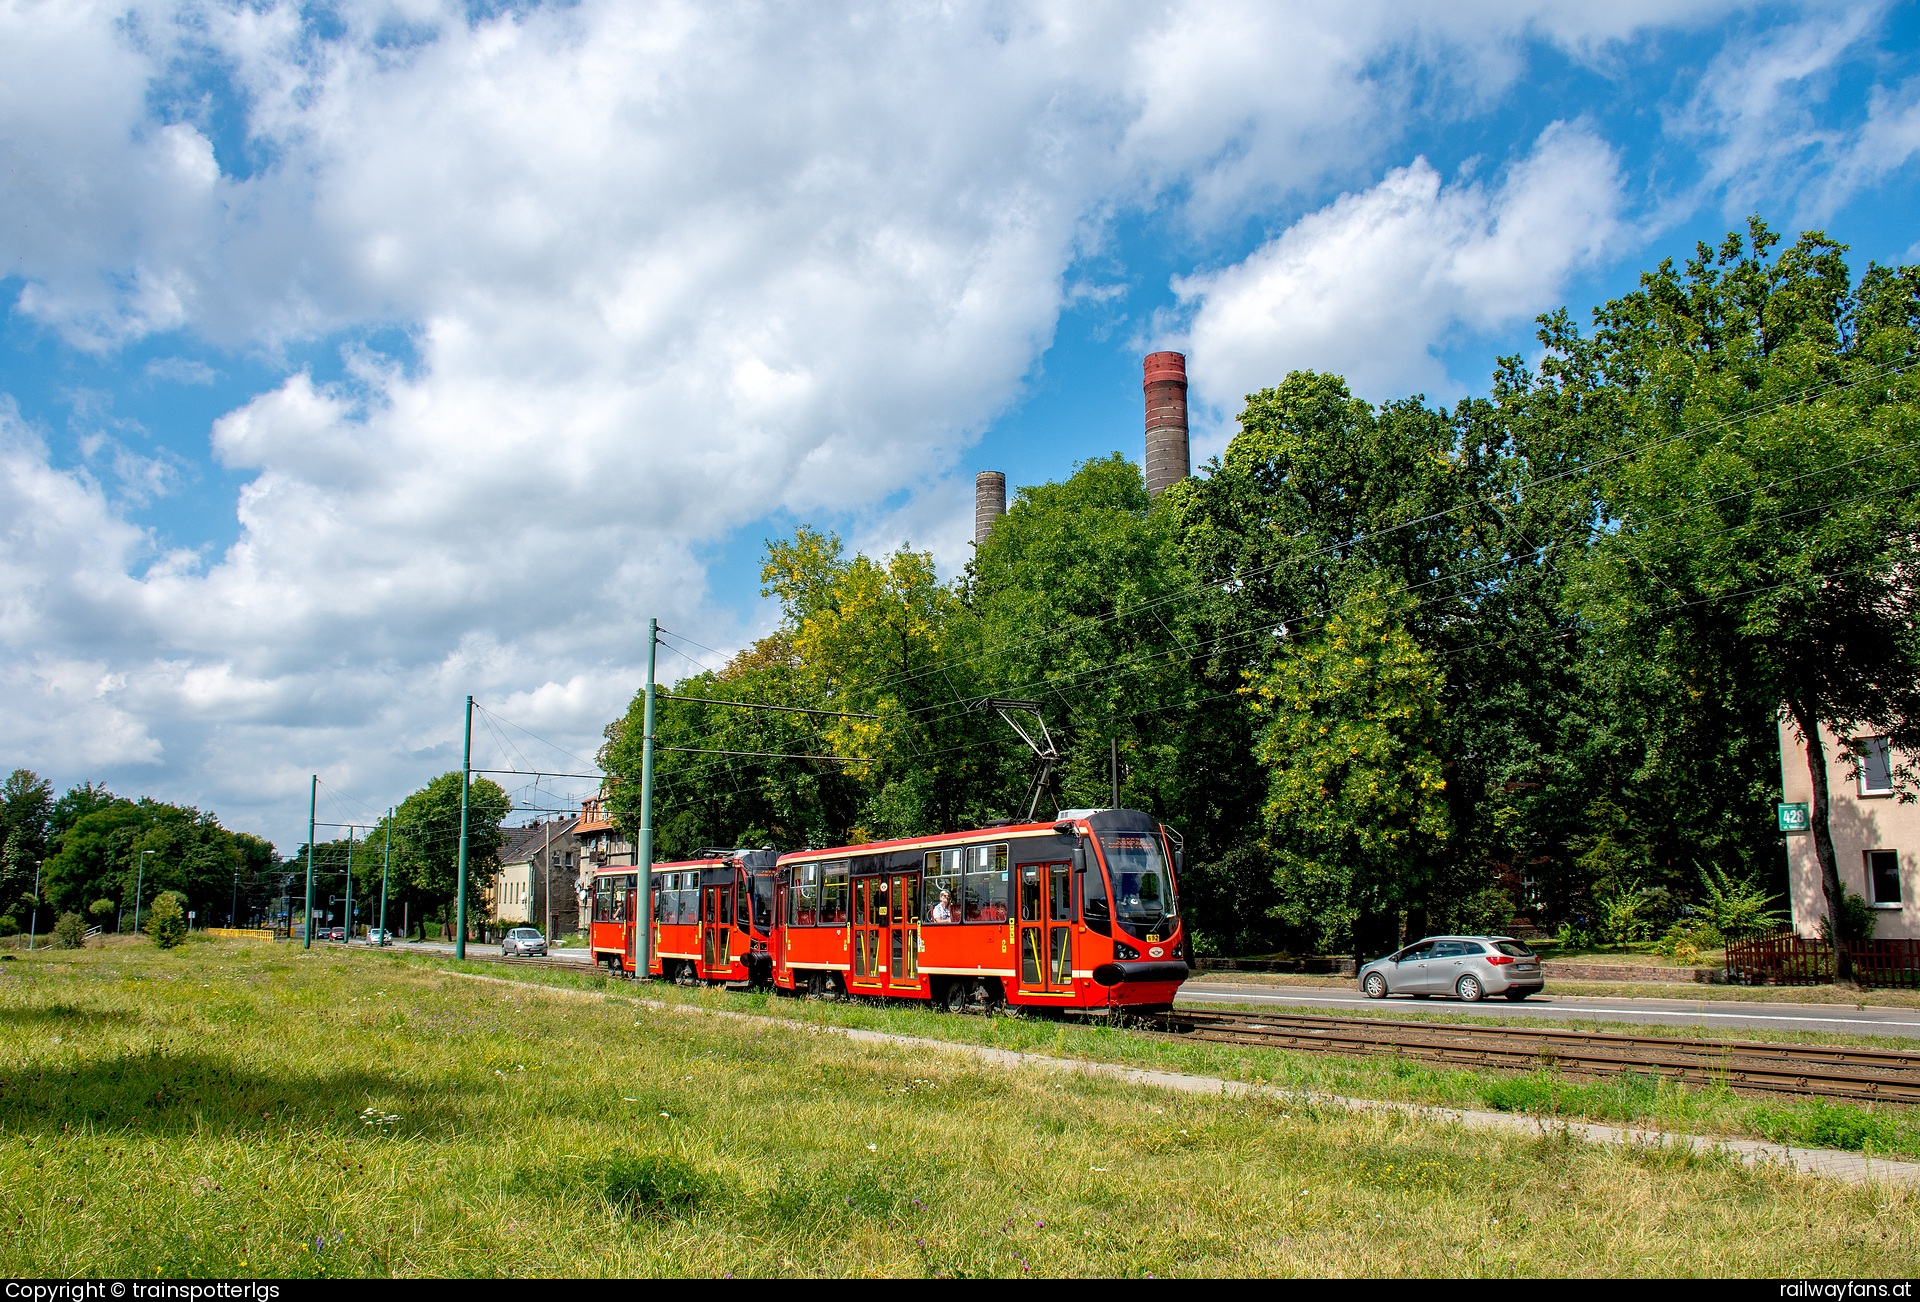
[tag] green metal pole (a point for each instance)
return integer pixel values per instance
(386, 868)
(346, 932)
(643, 906)
(139, 882)
(466, 780)
(313, 800)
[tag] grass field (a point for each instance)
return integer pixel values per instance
(227, 1109)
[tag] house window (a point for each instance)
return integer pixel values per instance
(1883, 878)
(1876, 767)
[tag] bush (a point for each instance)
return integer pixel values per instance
(70, 932)
(1484, 913)
(1737, 908)
(167, 923)
(9, 925)
(652, 1184)
(100, 911)
(1857, 920)
(1686, 939)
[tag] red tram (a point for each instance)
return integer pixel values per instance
(1081, 912)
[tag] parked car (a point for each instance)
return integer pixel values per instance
(336, 933)
(1468, 967)
(523, 941)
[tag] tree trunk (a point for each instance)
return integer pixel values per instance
(1806, 720)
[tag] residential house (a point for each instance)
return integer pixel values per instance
(1876, 835)
(534, 885)
(602, 845)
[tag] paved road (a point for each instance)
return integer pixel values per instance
(1838, 1019)
(475, 949)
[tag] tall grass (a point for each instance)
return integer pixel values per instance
(226, 1109)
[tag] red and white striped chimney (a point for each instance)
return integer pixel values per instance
(1166, 389)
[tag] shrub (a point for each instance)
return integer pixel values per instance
(1857, 920)
(652, 1184)
(1632, 914)
(1686, 938)
(100, 911)
(1737, 908)
(9, 925)
(167, 923)
(1487, 912)
(70, 932)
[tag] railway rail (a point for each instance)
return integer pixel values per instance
(1747, 1066)
(1841, 1072)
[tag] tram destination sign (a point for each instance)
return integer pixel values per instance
(1793, 817)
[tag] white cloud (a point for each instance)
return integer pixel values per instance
(1369, 285)
(666, 267)
(1763, 109)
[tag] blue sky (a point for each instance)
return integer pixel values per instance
(358, 357)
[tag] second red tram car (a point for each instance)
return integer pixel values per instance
(712, 918)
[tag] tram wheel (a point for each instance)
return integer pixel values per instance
(954, 998)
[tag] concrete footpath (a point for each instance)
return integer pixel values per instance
(1828, 1163)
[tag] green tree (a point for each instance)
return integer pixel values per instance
(1356, 798)
(167, 921)
(1760, 538)
(426, 845)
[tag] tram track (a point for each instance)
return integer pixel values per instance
(1747, 1066)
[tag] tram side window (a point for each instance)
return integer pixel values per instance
(943, 892)
(603, 900)
(833, 895)
(619, 911)
(1094, 910)
(986, 883)
(803, 902)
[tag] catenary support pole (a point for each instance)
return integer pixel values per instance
(346, 931)
(1115, 758)
(313, 800)
(386, 867)
(233, 914)
(460, 884)
(546, 882)
(643, 905)
(34, 929)
(139, 883)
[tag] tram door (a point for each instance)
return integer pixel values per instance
(1046, 926)
(903, 944)
(715, 911)
(869, 931)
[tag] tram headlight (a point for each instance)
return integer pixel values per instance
(1124, 951)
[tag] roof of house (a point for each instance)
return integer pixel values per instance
(523, 843)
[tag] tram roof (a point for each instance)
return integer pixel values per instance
(1100, 820)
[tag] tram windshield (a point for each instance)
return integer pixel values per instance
(763, 901)
(1142, 887)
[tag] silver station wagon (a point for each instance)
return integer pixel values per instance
(1467, 967)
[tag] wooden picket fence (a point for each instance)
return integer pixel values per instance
(1787, 958)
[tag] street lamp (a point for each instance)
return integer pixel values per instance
(139, 881)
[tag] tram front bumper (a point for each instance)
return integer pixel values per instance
(1140, 972)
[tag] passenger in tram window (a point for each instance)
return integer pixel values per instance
(942, 910)
(944, 869)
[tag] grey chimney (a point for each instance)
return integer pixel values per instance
(989, 503)
(1166, 390)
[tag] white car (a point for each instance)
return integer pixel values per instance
(523, 941)
(375, 936)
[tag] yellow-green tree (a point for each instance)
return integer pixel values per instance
(1356, 807)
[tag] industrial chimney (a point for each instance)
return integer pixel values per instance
(989, 503)
(1166, 386)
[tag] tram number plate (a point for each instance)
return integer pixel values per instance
(1152, 939)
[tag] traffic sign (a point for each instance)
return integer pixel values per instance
(1793, 818)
